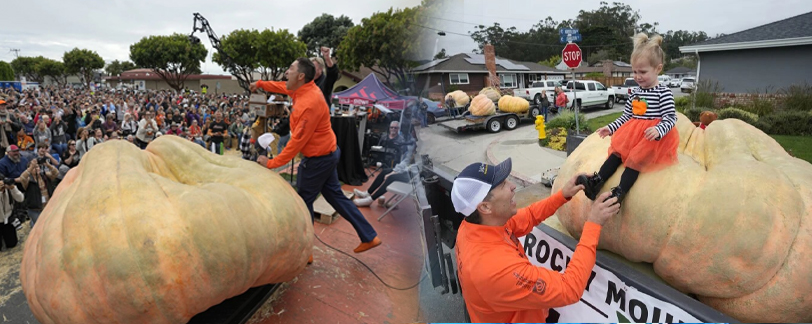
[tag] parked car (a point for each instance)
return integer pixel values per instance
(533, 94)
(663, 79)
(674, 83)
(623, 91)
(589, 93)
(434, 109)
(687, 84)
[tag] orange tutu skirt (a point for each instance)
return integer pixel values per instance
(630, 143)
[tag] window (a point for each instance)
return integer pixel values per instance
(591, 86)
(410, 77)
(551, 84)
(534, 77)
(458, 78)
(507, 80)
(601, 87)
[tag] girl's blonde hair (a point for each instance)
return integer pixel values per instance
(648, 48)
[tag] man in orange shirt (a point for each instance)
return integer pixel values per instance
(499, 284)
(312, 135)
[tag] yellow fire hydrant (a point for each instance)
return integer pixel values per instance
(540, 127)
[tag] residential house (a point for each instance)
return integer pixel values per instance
(763, 58)
(143, 79)
(467, 72)
(680, 72)
(614, 69)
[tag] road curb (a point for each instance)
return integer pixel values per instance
(523, 179)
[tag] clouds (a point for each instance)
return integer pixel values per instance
(50, 28)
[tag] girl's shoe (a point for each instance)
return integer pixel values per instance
(592, 185)
(618, 193)
(363, 202)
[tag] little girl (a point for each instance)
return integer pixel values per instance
(643, 137)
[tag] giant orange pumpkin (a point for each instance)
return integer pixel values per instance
(159, 235)
(730, 223)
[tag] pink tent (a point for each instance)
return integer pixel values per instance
(371, 91)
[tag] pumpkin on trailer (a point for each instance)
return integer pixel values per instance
(730, 223)
(492, 93)
(482, 106)
(160, 235)
(460, 98)
(513, 104)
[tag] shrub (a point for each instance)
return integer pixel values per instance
(798, 97)
(693, 113)
(786, 123)
(760, 107)
(566, 120)
(681, 103)
(705, 93)
(737, 113)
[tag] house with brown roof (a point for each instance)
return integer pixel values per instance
(467, 72)
(142, 79)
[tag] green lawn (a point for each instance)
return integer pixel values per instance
(601, 121)
(801, 146)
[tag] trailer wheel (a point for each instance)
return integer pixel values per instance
(494, 126)
(511, 123)
(534, 112)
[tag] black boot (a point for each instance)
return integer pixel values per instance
(592, 185)
(616, 192)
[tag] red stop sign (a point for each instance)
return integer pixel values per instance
(571, 55)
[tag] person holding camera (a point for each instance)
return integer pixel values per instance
(38, 182)
(8, 126)
(8, 195)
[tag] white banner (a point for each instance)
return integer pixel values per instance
(607, 298)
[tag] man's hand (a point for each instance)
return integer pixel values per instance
(263, 161)
(652, 133)
(603, 210)
(325, 51)
(570, 188)
(253, 87)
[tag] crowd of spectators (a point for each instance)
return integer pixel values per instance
(47, 131)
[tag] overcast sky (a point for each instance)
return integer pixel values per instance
(712, 17)
(50, 28)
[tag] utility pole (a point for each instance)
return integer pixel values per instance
(16, 52)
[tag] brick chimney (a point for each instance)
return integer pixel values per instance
(490, 63)
(608, 67)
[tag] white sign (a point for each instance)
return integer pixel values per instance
(607, 298)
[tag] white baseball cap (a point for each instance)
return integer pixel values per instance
(265, 140)
(474, 182)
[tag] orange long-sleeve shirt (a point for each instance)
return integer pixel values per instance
(499, 283)
(310, 127)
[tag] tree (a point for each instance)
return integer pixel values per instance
(276, 51)
(54, 69)
(325, 30)
(6, 72)
(599, 56)
(82, 62)
(552, 62)
(115, 67)
(173, 57)
(242, 47)
(25, 66)
(386, 43)
(440, 55)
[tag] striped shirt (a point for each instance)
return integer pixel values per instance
(660, 105)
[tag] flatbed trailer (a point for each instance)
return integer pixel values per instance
(493, 123)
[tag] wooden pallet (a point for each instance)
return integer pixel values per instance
(325, 213)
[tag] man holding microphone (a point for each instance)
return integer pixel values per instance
(312, 135)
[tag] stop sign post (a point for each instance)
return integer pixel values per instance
(571, 55)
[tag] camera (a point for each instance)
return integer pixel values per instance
(42, 159)
(8, 181)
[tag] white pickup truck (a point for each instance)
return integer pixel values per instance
(533, 94)
(623, 91)
(589, 94)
